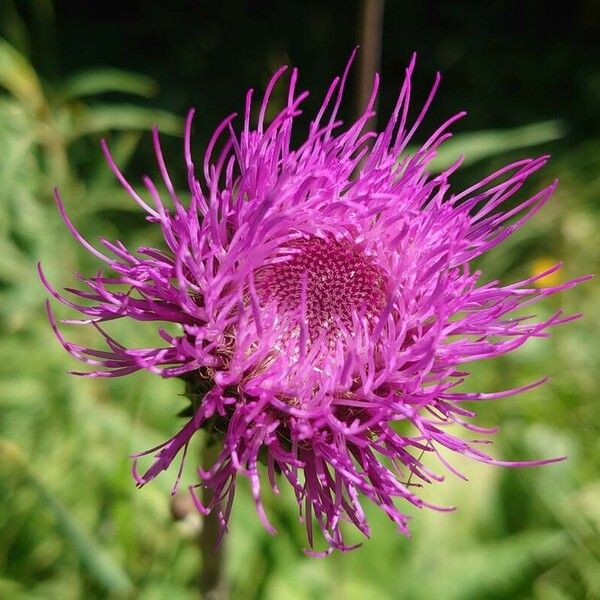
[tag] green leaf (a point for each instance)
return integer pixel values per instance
(101, 81)
(102, 179)
(103, 118)
(13, 264)
(19, 78)
(14, 28)
(497, 569)
(100, 563)
(478, 145)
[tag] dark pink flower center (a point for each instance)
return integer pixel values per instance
(339, 278)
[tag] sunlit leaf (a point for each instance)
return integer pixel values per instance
(103, 118)
(478, 145)
(99, 563)
(100, 81)
(495, 569)
(19, 78)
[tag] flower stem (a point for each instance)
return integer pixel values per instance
(370, 34)
(211, 574)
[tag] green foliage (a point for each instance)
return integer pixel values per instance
(479, 145)
(102, 567)
(101, 81)
(72, 524)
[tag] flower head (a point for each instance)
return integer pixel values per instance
(323, 294)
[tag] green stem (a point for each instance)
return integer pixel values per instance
(211, 574)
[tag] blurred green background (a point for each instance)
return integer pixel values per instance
(72, 524)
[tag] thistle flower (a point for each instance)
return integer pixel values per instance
(323, 295)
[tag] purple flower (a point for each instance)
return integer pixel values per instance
(323, 294)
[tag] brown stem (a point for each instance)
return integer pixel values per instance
(371, 26)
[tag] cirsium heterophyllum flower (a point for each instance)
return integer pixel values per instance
(324, 293)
